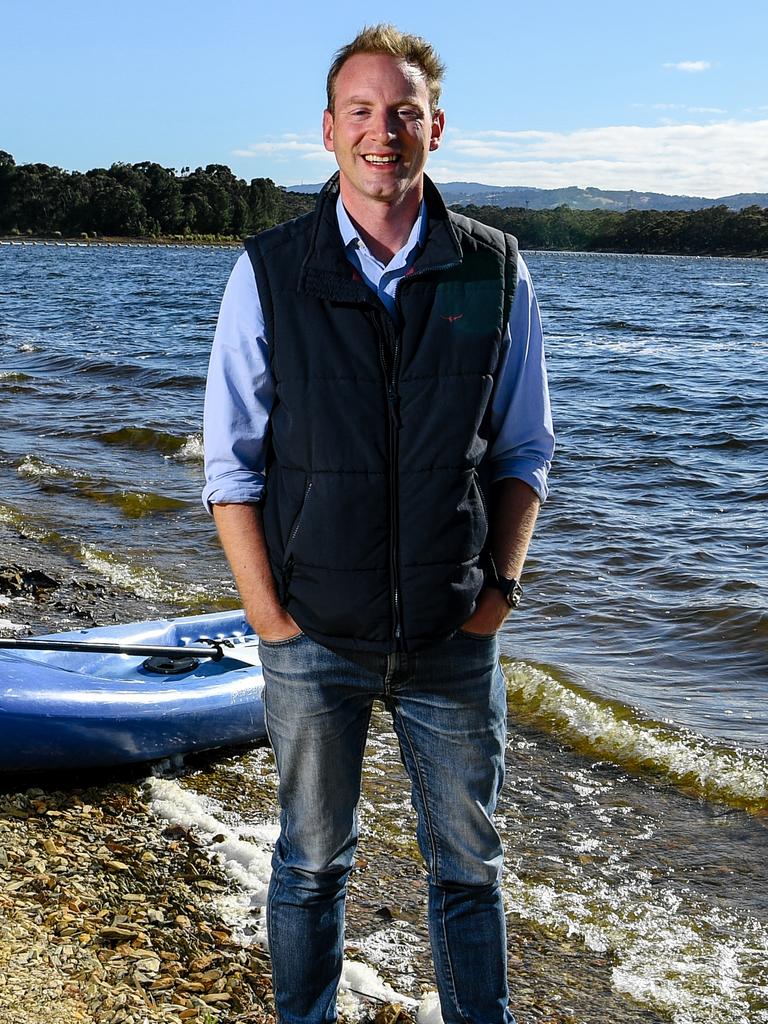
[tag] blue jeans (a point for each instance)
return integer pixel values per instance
(448, 707)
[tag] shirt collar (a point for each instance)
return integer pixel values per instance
(351, 237)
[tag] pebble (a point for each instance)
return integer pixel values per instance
(104, 921)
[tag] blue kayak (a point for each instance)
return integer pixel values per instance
(79, 709)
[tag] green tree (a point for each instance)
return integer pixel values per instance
(162, 196)
(113, 208)
(7, 191)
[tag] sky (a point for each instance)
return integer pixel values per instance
(662, 96)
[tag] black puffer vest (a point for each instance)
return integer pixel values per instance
(374, 509)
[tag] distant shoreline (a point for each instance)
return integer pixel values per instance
(162, 242)
(118, 241)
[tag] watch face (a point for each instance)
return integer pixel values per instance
(511, 590)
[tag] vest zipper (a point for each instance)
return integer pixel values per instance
(287, 566)
(389, 367)
(299, 517)
(479, 490)
(389, 338)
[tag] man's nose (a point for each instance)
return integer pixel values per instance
(383, 126)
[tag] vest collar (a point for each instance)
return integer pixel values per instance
(327, 273)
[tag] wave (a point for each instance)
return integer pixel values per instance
(63, 364)
(13, 382)
(608, 730)
(733, 443)
(186, 447)
(623, 325)
(33, 529)
(144, 580)
(133, 504)
(192, 449)
(34, 466)
(131, 575)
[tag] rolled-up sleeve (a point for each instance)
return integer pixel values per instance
(522, 442)
(238, 396)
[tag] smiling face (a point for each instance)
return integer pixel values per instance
(381, 131)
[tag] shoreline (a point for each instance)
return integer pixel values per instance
(237, 243)
(112, 242)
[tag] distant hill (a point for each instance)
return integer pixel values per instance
(463, 193)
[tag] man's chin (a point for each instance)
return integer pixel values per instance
(380, 191)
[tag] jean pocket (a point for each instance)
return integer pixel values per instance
(281, 643)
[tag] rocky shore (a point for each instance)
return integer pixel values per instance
(106, 914)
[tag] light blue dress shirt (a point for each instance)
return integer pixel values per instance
(240, 388)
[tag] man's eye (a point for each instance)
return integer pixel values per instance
(408, 113)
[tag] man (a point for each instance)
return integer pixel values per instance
(377, 443)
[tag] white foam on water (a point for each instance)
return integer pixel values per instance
(144, 581)
(693, 964)
(191, 450)
(12, 627)
(429, 1010)
(33, 466)
(393, 947)
(360, 979)
(244, 854)
(735, 777)
(11, 517)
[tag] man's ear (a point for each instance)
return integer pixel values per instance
(438, 126)
(328, 130)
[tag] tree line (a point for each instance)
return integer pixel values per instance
(142, 200)
(716, 230)
(146, 200)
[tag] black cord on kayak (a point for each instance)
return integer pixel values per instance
(218, 646)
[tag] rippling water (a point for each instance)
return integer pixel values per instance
(651, 564)
(648, 577)
(642, 646)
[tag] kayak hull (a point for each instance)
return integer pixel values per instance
(63, 711)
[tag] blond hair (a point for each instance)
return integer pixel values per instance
(390, 41)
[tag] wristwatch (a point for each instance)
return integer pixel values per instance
(510, 588)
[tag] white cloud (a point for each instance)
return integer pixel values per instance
(289, 146)
(681, 106)
(704, 158)
(711, 159)
(691, 66)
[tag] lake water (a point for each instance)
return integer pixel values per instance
(638, 663)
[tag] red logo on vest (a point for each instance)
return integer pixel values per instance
(451, 317)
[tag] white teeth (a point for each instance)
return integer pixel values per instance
(372, 159)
